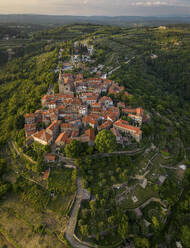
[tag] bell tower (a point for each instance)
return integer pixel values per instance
(61, 83)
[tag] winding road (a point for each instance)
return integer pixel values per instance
(70, 229)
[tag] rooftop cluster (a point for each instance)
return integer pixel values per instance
(81, 110)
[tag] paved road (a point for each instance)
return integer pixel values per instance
(73, 218)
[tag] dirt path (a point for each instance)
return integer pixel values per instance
(152, 199)
(118, 67)
(150, 161)
(136, 151)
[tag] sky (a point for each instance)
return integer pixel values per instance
(96, 7)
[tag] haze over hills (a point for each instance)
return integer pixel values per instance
(106, 20)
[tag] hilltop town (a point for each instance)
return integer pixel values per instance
(81, 109)
(95, 142)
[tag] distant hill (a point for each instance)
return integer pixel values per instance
(117, 20)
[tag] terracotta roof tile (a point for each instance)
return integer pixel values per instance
(54, 125)
(63, 137)
(124, 124)
(43, 135)
(50, 156)
(105, 125)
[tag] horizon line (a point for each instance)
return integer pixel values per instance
(166, 15)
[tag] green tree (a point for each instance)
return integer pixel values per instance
(185, 236)
(92, 204)
(155, 222)
(123, 227)
(2, 166)
(3, 189)
(73, 149)
(84, 230)
(111, 220)
(19, 122)
(105, 141)
(142, 242)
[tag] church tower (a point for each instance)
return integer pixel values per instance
(66, 85)
(61, 83)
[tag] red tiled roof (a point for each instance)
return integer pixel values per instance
(96, 105)
(88, 119)
(105, 98)
(124, 124)
(50, 157)
(77, 101)
(32, 115)
(30, 126)
(105, 125)
(92, 98)
(94, 79)
(94, 116)
(80, 75)
(52, 102)
(66, 125)
(139, 111)
(75, 133)
(53, 125)
(110, 115)
(107, 81)
(63, 137)
(43, 135)
(121, 123)
(46, 174)
(129, 110)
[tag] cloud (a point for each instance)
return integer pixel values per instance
(96, 7)
(148, 3)
(157, 3)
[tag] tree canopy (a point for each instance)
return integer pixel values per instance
(73, 149)
(105, 141)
